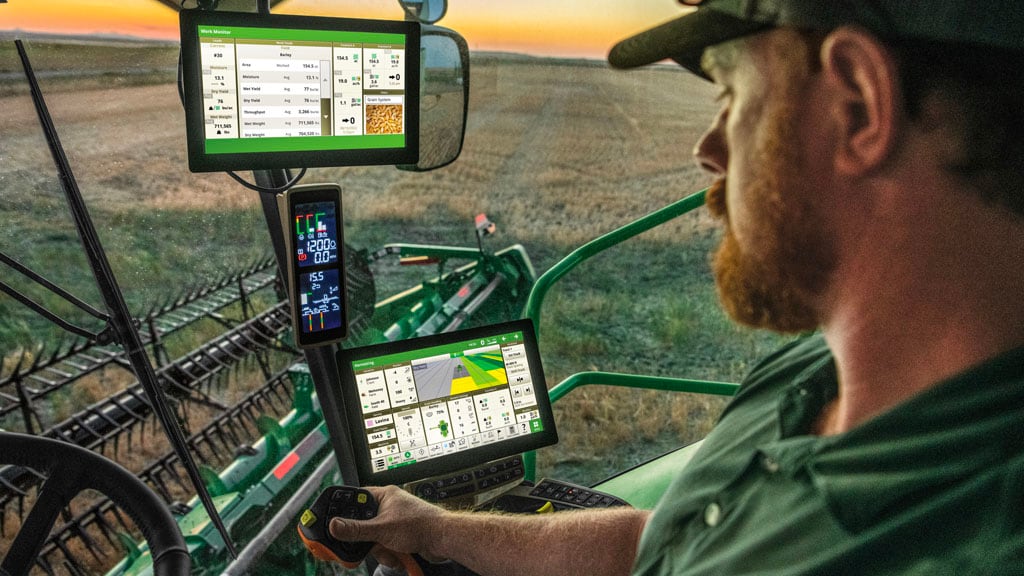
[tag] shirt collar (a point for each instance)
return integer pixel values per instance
(935, 440)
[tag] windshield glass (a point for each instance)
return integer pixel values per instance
(559, 149)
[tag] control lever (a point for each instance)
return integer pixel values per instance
(344, 502)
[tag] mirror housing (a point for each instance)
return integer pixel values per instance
(425, 11)
(444, 97)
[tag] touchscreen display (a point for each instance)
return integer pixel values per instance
(448, 402)
(295, 91)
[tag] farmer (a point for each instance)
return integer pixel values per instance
(868, 159)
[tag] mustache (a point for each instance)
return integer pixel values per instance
(714, 199)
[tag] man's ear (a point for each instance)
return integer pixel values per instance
(862, 76)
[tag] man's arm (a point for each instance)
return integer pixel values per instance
(577, 542)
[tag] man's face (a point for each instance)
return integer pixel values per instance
(775, 257)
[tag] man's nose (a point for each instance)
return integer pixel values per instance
(710, 151)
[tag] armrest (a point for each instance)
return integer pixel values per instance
(643, 485)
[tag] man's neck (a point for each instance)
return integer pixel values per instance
(921, 306)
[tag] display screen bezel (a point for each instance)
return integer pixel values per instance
(449, 462)
(300, 152)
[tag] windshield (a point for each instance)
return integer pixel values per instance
(559, 149)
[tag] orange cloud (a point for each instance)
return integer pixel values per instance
(144, 19)
(565, 28)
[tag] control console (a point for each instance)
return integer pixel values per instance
(470, 487)
(553, 495)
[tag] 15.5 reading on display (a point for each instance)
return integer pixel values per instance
(277, 91)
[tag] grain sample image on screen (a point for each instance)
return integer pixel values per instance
(383, 118)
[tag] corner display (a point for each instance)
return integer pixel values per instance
(312, 225)
(274, 91)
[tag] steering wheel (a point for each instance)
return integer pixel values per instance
(71, 469)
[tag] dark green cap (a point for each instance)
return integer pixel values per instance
(998, 23)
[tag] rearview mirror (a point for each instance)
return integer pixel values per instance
(444, 97)
(426, 11)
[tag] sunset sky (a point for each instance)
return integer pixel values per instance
(585, 28)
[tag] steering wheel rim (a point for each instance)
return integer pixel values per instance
(71, 469)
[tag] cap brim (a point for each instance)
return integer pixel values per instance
(683, 40)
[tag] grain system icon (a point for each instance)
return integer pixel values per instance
(384, 119)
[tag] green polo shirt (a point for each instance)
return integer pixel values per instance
(934, 486)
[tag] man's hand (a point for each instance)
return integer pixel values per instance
(404, 523)
(499, 544)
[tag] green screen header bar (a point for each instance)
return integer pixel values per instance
(247, 33)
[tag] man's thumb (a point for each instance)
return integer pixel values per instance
(348, 530)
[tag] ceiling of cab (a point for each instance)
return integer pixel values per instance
(225, 5)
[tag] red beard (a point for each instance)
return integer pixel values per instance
(775, 283)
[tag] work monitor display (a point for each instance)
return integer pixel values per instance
(428, 406)
(275, 91)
